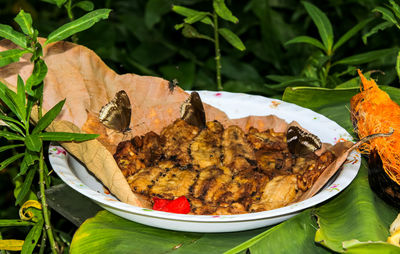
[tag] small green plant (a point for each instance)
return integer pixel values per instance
(220, 10)
(16, 118)
(69, 6)
(318, 69)
(391, 14)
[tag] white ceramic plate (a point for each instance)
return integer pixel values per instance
(235, 105)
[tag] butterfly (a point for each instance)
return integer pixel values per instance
(301, 142)
(117, 113)
(192, 111)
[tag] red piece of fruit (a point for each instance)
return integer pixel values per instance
(180, 205)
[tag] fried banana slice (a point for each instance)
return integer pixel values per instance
(243, 187)
(206, 147)
(128, 157)
(238, 154)
(174, 183)
(211, 180)
(268, 140)
(274, 163)
(278, 192)
(176, 139)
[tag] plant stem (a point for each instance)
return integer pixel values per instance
(217, 52)
(44, 204)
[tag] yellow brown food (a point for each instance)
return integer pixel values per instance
(219, 170)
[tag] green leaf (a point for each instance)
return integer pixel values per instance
(19, 107)
(15, 223)
(187, 12)
(12, 124)
(21, 96)
(367, 218)
(387, 15)
(323, 24)
(398, 65)
(351, 33)
(46, 120)
(366, 57)
(28, 160)
(10, 136)
(24, 20)
(78, 25)
(154, 11)
(25, 187)
(232, 38)
(106, 232)
(59, 3)
(66, 136)
(308, 40)
(375, 29)
(6, 99)
(84, 5)
(190, 32)
(8, 147)
(32, 238)
(9, 33)
(11, 56)
(10, 160)
(295, 235)
(33, 142)
(222, 10)
(195, 18)
(38, 74)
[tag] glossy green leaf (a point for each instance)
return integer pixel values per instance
(232, 38)
(295, 235)
(21, 96)
(308, 40)
(366, 57)
(5, 97)
(349, 34)
(33, 142)
(187, 12)
(25, 187)
(109, 233)
(17, 104)
(222, 11)
(190, 32)
(9, 33)
(367, 218)
(24, 20)
(38, 74)
(323, 24)
(10, 136)
(32, 238)
(155, 10)
(84, 5)
(10, 160)
(78, 25)
(15, 223)
(11, 56)
(66, 136)
(46, 120)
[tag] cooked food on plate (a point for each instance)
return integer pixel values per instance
(222, 170)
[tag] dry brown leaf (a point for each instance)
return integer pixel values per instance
(79, 75)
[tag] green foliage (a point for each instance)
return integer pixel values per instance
(17, 118)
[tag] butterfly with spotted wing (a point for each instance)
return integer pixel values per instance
(300, 142)
(117, 113)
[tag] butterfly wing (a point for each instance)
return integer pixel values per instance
(192, 111)
(300, 142)
(117, 113)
